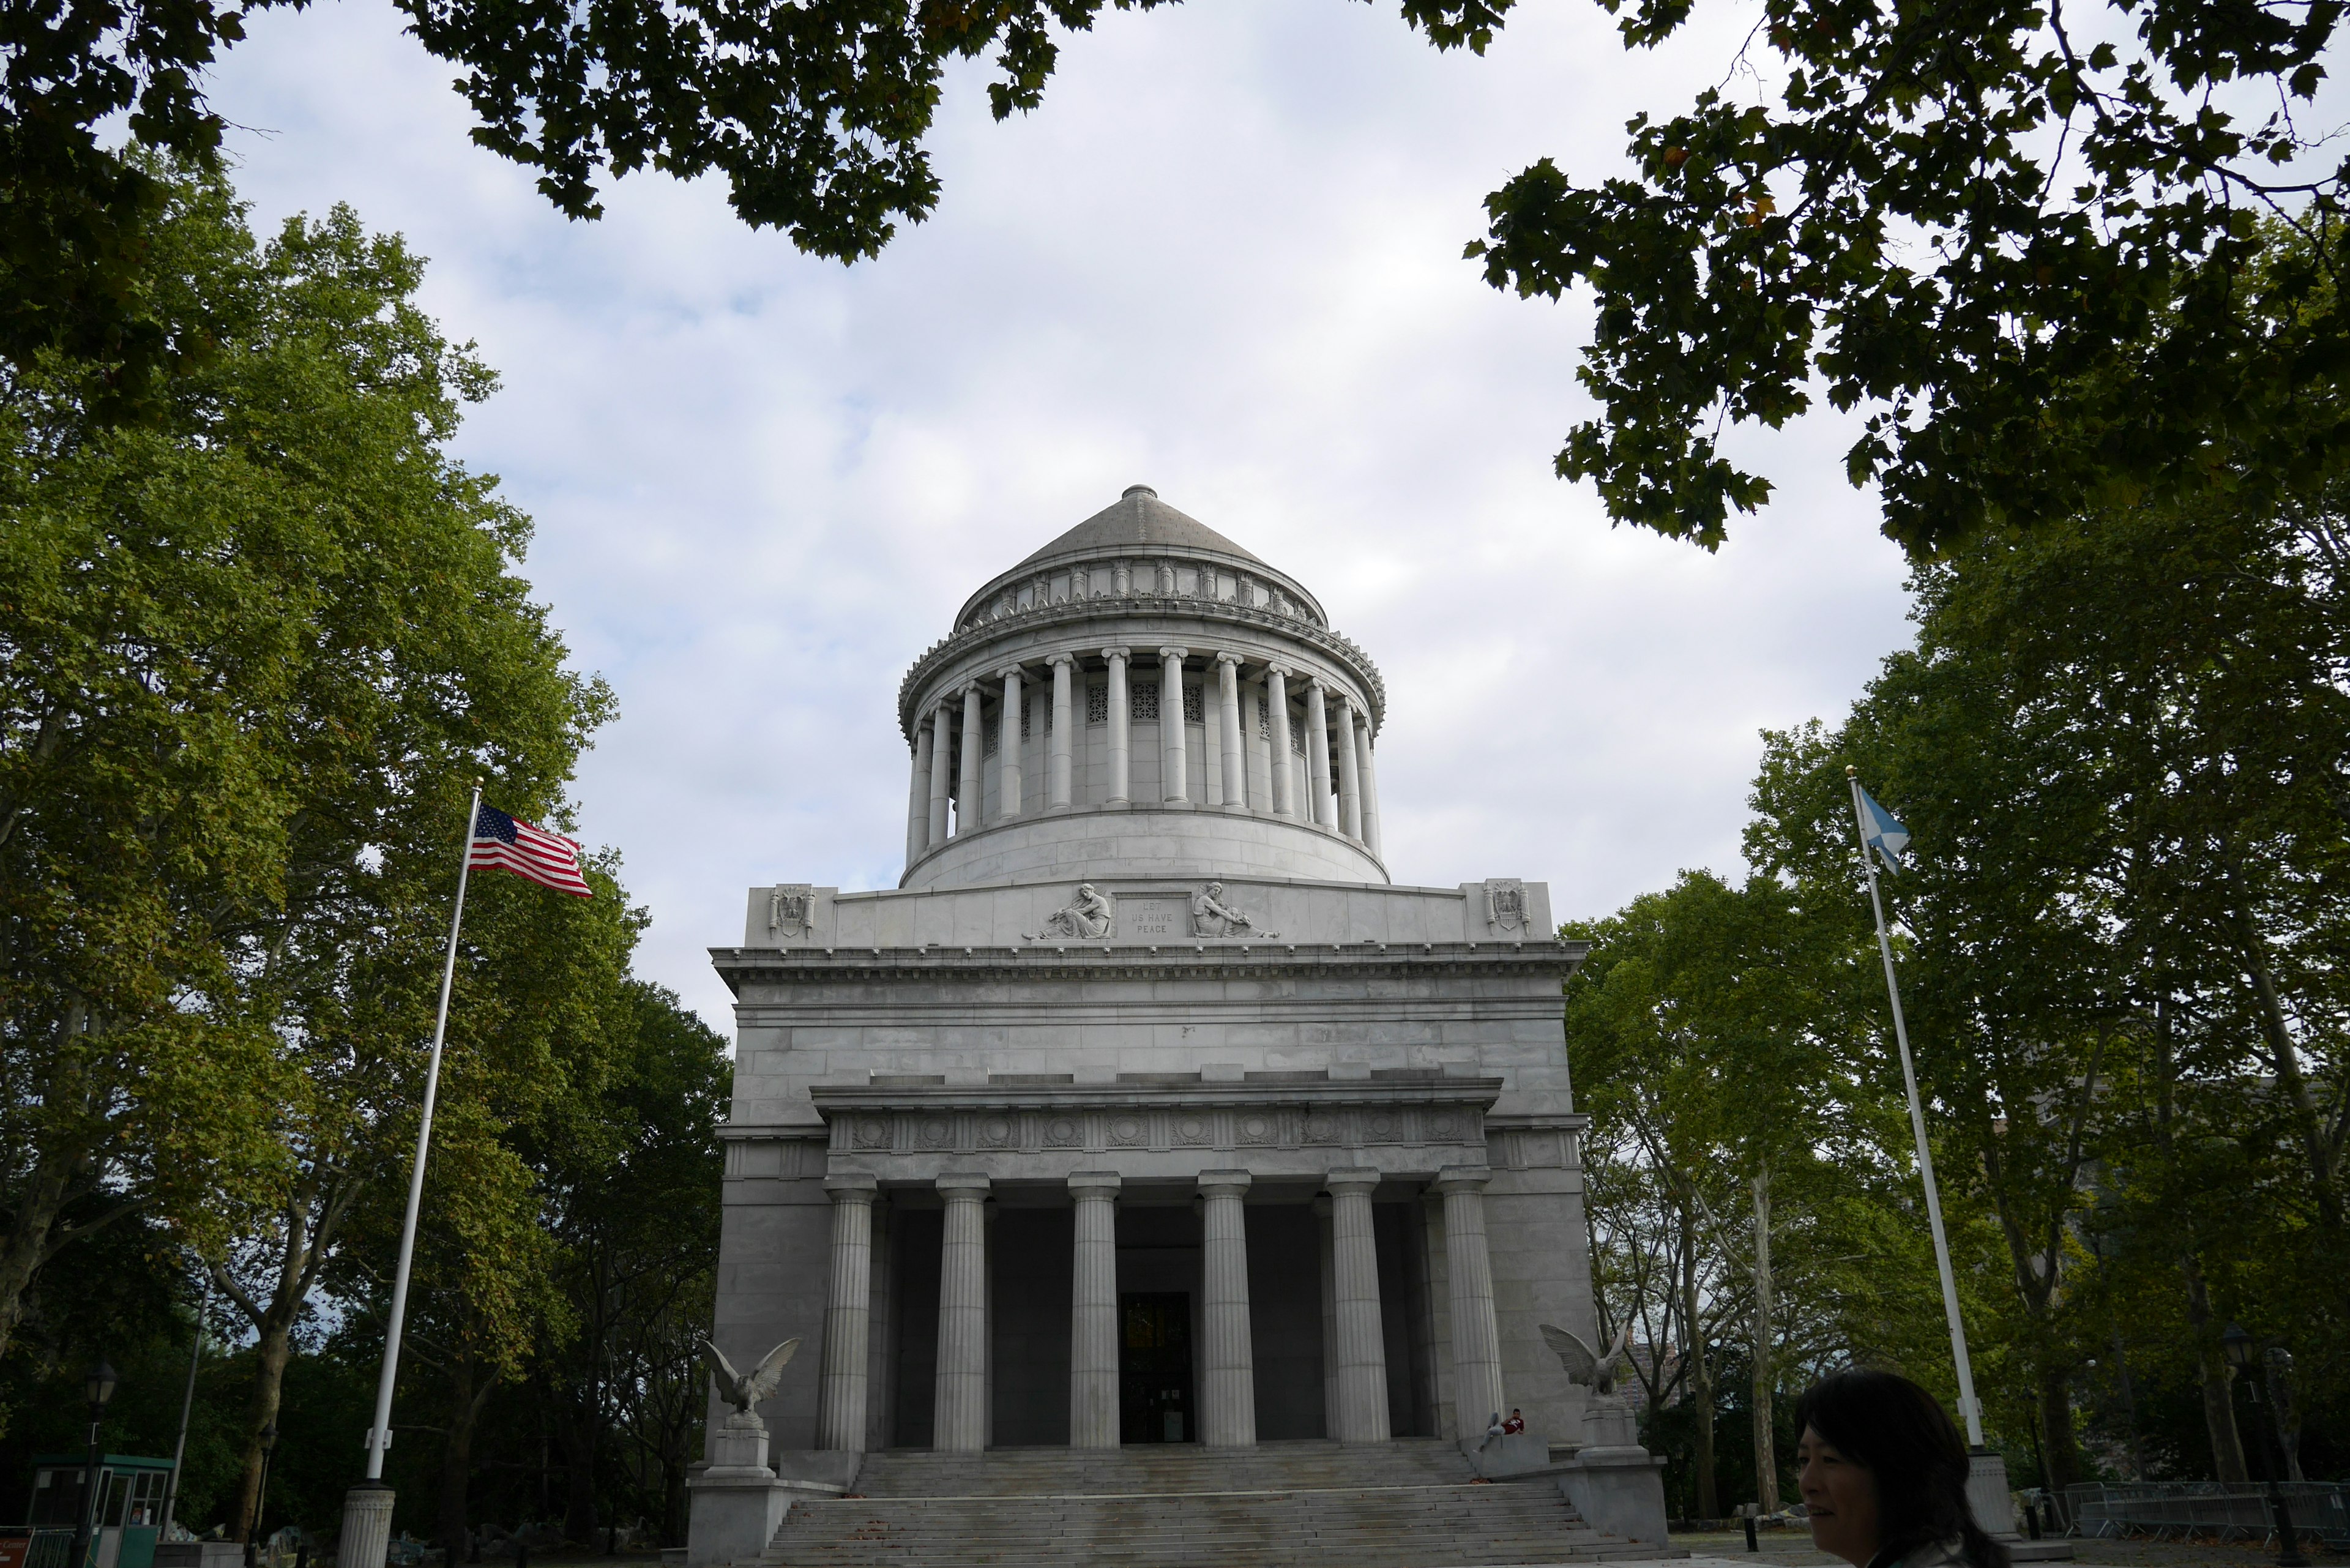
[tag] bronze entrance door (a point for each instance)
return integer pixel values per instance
(1154, 1366)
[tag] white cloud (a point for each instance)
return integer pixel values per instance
(1224, 259)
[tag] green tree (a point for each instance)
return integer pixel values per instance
(1709, 1029)
(2123, 745)
(254, 650)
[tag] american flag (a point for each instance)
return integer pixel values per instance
(503, 843)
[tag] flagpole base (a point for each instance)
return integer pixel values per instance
(366, 1538)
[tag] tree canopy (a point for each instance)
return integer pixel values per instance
(2024, 242)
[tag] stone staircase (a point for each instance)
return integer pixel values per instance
(1411, 1503)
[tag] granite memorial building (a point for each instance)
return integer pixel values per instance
(1146, 1109)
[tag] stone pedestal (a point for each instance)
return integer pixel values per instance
(738, 1446)
(733, 1519)
(1617, 1485)
(366, 1538)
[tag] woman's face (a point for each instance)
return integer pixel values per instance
(1841, 1497)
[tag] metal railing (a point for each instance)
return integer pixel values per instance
(2167, 1511)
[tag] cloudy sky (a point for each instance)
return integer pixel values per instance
(1222, 260)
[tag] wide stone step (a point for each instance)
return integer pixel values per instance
(1411, 1526)
(1170, 1468)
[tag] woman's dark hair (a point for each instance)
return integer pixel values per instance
(1901, 1434)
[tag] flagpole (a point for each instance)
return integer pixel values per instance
(1967, 1404)
(379, 1436)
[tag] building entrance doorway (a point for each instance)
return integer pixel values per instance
(1154, 1366)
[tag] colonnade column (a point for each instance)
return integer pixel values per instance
(1354, 1281)
(942, 753)
(1370, 787)
(969, 791)
(918, 794)
(1093, 1312)
(847, 1312)
(1007, 724)
(1350, 779)
(1469, 1269)
(1172, 783)
(1317, 757)
(1228, 1384)
(1228, 705)
(1276, 701)
(960, 1405)
(1057, 782)
(1121, 772)
(1322, 1210)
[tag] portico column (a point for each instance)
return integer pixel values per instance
(1317, 756)
(942, 775)
(1276, 697)
(1121, 789)
(918, 794)
(1007, 721)
(959, 1422)
(1228, 705)
(970, 794)
(1330, 1317)
(1173, 785)
(1370, 781)
(1362, 1344)
(1228, 1385)
(1093, 1312)
(1057, 782)
(1350, 781)
(847, 1312)
(1469, 1269)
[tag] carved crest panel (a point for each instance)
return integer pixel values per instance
(1505, 904)
(791, 909)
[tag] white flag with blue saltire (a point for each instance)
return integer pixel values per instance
(1882, 832)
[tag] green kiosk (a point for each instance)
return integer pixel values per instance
(130, 1515)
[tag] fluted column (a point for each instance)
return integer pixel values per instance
(959, 1422)
(1317, 756)
(847, 1312)
(1228, 1376)
(1093, 1312)
(1172, 783)
(1276, 699)
(1330, 1317)
(1228, 706)
(1058, 781)
(1121, 771)
(1468, 1271)
(918, 795)
(1007, 742)
(1362, 1342)
(968, 792)
(941, 768)
(1350, 779)
(1370, 786)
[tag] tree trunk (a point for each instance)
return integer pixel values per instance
(1707, 1502)
(2210, 1374)
(2060, 1461)
(26, 1243)
(1766, 1457)
(2215, 1376)
(272, 1351)
(2291, 1088)
(457, 1457)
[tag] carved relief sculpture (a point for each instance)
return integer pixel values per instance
(1505, 904)
(1090, 917)
(1212, 917)
(791, 909)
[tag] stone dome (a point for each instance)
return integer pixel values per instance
(1048, 742)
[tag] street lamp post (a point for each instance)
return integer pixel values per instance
(97, 1388)
(2241, 1353)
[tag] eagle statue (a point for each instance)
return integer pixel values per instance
(1597, 1373)
(743, 1390)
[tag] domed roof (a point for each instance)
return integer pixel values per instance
(1137, 520)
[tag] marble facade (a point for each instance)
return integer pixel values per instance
(1146, 1107)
